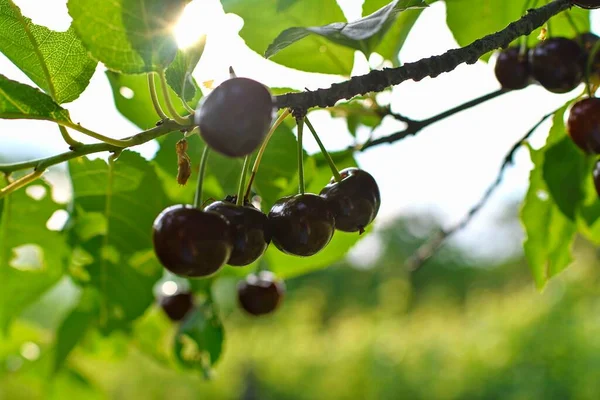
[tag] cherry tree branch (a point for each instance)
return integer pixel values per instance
(432, 245)
(378, 80)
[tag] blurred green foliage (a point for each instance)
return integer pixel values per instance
(452, 330)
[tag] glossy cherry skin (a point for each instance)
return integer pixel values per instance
(557, 64)
(583, 124)
(235, 117)
(512, 69)
(589, 4)
(249, 229)
(596, 175)
(301, 225)
(178, 305)
(260, 294)
(355, 199)
(190, 242)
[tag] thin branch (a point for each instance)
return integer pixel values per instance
(378, 80)
(21, 182)
(43, 163)
(414, 126)
(430, 247)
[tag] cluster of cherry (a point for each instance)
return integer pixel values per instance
(190, 241)
(559, 65)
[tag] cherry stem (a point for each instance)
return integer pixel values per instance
(201, 170)
(300, 123)
(334, 170)
(183, 101)
(262, 149)
(589, 65)
(172, 110)
(240, 193)
(154, 96)
(21, 182)
(523, 39)
(73, 144)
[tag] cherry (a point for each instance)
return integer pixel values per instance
(589, 4)
(557, 64)
(235, 117)
(583, 124)
(587, 41)
(260, 294)
(249, 229)
(178, 305)
(355, 199)
(190, 242)
(596, 175)
(512, 69)
(301, 225)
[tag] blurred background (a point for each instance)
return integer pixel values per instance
(469, 325)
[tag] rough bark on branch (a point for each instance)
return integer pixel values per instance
(378, 80)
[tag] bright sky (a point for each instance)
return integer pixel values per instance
(443, 171)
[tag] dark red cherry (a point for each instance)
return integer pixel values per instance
(583, 124)
(512, 69)
(557, 64)
(178, 305)
(235, 117)
(249, 229)
(589, 4)
(355, 199)
(301, 225)
(190, 242)
(597, 177)
(260, 294)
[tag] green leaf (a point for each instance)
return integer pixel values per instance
(356, 114)
(128, 196)
(565, 168)
(549, 233)
(75, 326)
(588, 218)
(265, 19)
(363, 34)
(470, 20)
(20, 101)
(32, 258)
(132, 99)
(199, 339)
(390, 45)
(56, 61)
(130, 36)
(179, 73)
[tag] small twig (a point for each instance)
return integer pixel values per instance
(414, 126)
(431, 246)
